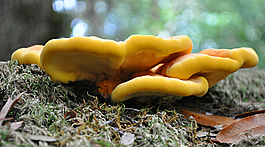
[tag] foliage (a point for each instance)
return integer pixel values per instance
(210, 24)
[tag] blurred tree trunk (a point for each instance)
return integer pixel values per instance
(25, 23)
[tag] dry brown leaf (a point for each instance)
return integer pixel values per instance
(8, 106)
(252, 125)
(70, 114)
(246, 114)
(208, 120)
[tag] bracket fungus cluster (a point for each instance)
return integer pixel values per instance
(142, 65)
(96, 59)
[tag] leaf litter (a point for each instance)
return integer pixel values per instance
(55, 114)
(249, 126)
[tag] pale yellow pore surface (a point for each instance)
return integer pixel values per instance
(213, 64)
(95, 59)
(30, 55)
(159, 86)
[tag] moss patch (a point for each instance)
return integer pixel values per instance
(100, 122)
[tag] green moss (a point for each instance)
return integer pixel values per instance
(241, 88)
(100, 122)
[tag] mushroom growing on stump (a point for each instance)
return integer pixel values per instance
(96, 59)
(213, 64)
(30, 55)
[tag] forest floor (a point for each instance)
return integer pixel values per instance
(55, 114)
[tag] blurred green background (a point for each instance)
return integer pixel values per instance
(210, 24)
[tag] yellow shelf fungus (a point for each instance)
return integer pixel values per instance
(95, 59)
(30, 55)
(213, 64)
(157, 85)
(142, 65)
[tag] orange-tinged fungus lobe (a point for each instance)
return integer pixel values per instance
(30, 55)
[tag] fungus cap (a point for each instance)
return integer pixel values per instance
(247, 57)
(145, 51)
(157, 85)
(30, 55)
(95, 59)
(213, 64)
(79, 58)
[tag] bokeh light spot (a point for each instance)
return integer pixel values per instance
(251, 33)
(80, 6)
(110, 29)
(211, 20)
(58, 5)
(225, 18)
(100, 8)
(79, 29)
(69, 4)
(209, 43)
(164, 4)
